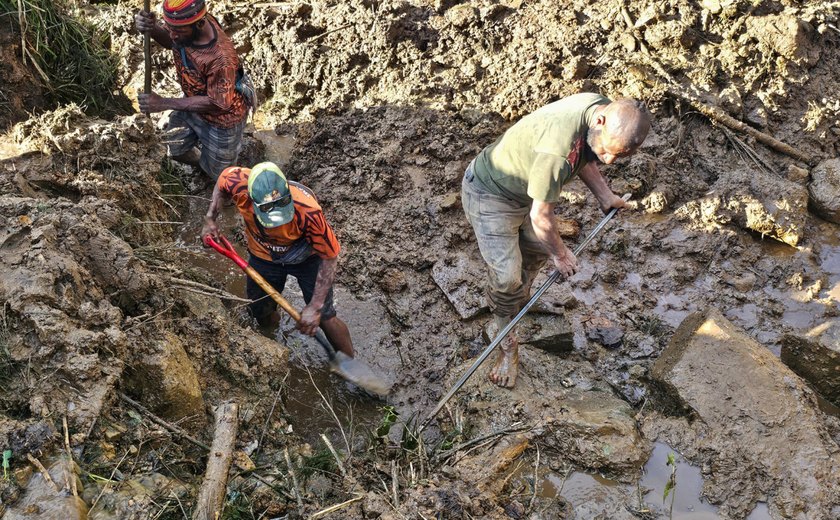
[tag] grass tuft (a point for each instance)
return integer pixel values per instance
(69, 55)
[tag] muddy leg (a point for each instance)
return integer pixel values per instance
(190, 158)
(338, 334)
(506, 369)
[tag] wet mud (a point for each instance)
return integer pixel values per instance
(379, 107)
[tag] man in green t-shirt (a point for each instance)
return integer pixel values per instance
(510, 190)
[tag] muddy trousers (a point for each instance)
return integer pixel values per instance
(507, 241)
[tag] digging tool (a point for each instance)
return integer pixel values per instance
(505, 331)
(147, 55)
(349, 368)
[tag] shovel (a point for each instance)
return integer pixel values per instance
(349, 368)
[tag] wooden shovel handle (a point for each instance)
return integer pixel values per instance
(271, 291)
(147, 55)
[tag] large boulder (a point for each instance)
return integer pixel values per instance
(753, 200)
(166, 381)
(824, 190)
(569, 411)
(815, 356)
(751, 422)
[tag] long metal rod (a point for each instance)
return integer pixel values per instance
(505, 331)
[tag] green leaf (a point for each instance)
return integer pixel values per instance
(668, 487)
(387, 421)
(671, 460)
(7, 456)
(136, 416)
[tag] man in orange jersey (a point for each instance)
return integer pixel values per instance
(217, 91)
(287, 234)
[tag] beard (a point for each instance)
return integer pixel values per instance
(593, 139)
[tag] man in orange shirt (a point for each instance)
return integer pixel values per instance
(287, 234)
(216, 99)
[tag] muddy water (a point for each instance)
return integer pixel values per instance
(582, 490)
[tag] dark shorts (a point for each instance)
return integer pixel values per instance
(305, 272)
(219, 146)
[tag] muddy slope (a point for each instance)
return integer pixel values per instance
(388, 102)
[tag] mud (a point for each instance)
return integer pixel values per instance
(379, 107)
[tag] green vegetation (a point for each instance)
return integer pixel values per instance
(69, 55)
(671, 485)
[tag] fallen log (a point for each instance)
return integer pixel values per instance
(186, 436)
(212, 493)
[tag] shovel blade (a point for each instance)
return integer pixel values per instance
(359, 373)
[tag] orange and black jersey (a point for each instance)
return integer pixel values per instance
(308, 227)
(211, 70)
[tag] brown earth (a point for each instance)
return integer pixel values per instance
(387, 102)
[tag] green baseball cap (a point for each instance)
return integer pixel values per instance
(269, 190)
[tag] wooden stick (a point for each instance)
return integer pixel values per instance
(44, 473)
(211, 496)
(71, 480)
(334, 454)
(332, 509)
(296, 488)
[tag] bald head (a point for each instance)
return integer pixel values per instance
(626, 122)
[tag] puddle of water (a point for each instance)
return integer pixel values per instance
(760, 512)
(672, 308)
(686, 494)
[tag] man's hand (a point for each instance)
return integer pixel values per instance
(566, 262)
(144, 21)
(310, 319)
(151, 103)
(614, 201)
(210, 228)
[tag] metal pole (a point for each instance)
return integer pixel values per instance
(505, 331)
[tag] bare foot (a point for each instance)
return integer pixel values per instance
(506, 369)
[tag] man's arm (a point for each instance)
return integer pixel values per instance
(210, 227)
(310, 318)
(597, 184)
(545, 227)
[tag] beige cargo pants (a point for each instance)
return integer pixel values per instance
(508, 244)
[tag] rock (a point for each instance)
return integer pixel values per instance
(462, 15)
(549, 332)
(749, 415)
(815, 356)
(460, 280)
(42, 500)
(753, 200)
(824, 190)
(604, 332)
(449, 200)
(786, 35)
(797, 174)
(743, 283)
(166, 381)
(585, 422)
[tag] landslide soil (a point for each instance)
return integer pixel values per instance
(387, 102)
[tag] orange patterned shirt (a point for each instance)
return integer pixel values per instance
(210, 70)
(309, 222)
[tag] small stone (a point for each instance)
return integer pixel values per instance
(450, 199)
(797, 174)
(604, 332)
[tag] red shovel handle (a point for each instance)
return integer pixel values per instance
(226, 249)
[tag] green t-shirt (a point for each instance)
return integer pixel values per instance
(541, 152)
